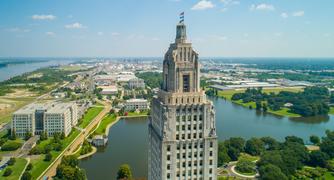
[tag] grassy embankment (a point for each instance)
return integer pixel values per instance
(133, 114)
(283, 112)
(17, 169)
(90, 115)
(108, 119)
(331, 111)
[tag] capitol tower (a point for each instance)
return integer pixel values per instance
(182, 129)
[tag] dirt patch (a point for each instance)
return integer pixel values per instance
(20, 93)
(5, 106)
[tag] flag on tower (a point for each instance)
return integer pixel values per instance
(182, 17)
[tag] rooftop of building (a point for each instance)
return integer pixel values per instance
(136, 100)
(49, 107)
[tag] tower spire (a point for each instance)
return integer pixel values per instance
(181, 34)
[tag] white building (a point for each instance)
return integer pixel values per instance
(109, 90)
(50, 117)
(182, 131)
(136, 83)
(136, 104)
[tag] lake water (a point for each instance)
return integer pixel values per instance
(128, 138)
(17, 69)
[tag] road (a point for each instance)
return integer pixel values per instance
(51, 171)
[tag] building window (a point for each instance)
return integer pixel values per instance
(186, 83)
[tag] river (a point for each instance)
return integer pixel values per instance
(11, 70)
(128, 138)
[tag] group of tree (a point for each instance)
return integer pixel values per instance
(124, 172)
(310, 102)
(279, 160)
(151, 79)
(86, 147)
(68, 169)
(55, 144)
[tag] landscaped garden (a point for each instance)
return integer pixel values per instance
(14, 169)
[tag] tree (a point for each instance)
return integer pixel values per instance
(258, 105)
(270, 143)
(26, 176)
(48, 157)
(245, 166)
(223, 156)
(254, 146)
(68, 169)
(62, 135)
(7, 172)
(237, 142)
(11, 161)
(265, 107)
(124, 172)
(28, 135)
(314, 139)
(13, 135)
(318, 158)
(29, 167)
(294, 139)
(43, 136)
(271, 172)
(70, 161)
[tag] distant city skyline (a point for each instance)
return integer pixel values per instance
(129, 28)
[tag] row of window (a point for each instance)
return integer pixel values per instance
(183, 136)
(190, 118)
(183, 127)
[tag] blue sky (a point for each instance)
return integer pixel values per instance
(217, 28)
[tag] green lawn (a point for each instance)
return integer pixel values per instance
(17, 168)
(247, 157)
(331, 111)
(104, 123)
(89, 116)
(283, 112)
(142, 113)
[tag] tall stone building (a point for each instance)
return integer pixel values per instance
(182, 130)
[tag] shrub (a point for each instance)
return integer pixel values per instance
(8, 172)
(26, 176)
(29, 167)
(11, 161)
(48, 157)
(11, 146)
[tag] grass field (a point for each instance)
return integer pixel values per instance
(14, 104)
(104, 123)
(17, 168)
(72, 68)
(283, 112)
(90, 115)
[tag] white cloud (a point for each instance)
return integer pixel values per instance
(74, 26)
(278, 34)
(224, 9)
(115, 34)
(298, 13)
(202, 5)
(50, 33)
(262, 7)
(43, 17)
(218, 37)
(284, 15)
(155, 39)
(230, 2)
(100, 33)
(16, 29)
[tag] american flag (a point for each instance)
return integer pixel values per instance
(181, 17)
